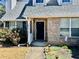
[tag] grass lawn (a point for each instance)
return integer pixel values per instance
(13, 53)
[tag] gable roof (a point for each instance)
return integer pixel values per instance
(22, 10)
(13, 14)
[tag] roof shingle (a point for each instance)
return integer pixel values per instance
(52, 11)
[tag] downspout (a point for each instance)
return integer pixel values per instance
(70, 24)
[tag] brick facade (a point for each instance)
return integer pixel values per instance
(53, 30)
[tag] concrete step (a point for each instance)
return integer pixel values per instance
(39, 44)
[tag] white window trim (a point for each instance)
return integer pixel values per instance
(37, 4)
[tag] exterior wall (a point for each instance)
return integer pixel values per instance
(13, 24)
(46, 2)
(65, 3)
(65, 25)
(59, 2)
(53, 30)
(73, 41)
(75, 2)
(52, 2)
(13, 3)
(8, 5)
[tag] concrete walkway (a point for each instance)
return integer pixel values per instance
(39, 43)
(35, 53)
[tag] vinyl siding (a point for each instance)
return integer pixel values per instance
(75, 2)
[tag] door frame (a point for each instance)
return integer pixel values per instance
(40, 20)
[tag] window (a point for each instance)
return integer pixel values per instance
(69, 27)
(65, 0)
(1, 24)
(39, 1)
(7, 24)
(75, 27)
(19, 24)
(64, 27)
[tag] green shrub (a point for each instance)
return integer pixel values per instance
(55, 48)
(2, 34)
(2, 8)
(65, 47)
